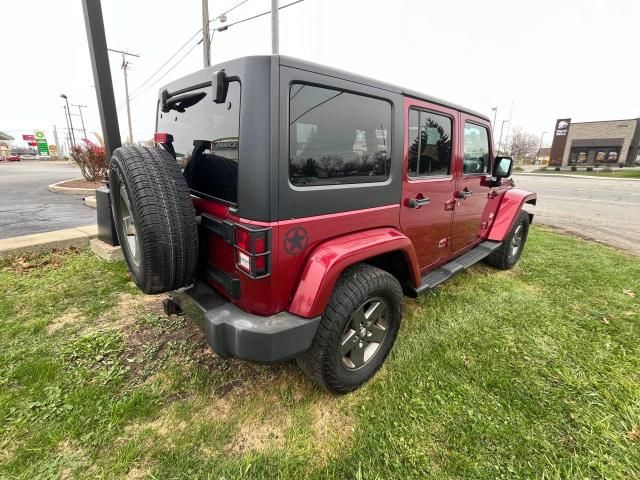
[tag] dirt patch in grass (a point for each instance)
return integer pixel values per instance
(138, 471)
(28, 262)
(332, 429)
(256, 436)
(125, 313)
(70, 317)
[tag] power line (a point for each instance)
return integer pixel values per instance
(175, 54)
(165, 73)
(138, 92)
(224, 27)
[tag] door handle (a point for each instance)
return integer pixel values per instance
(419, 202)
(463, 194)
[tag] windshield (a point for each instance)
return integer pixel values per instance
(206, 140)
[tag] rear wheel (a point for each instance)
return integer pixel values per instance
(154, 218)
(357, 330)
(509, 252)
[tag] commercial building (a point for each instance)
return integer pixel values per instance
(609, 142)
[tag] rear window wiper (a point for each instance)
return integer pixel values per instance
(181, 102)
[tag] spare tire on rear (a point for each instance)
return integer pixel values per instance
(154, 218)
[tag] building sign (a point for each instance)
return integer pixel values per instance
(559, 141)
(39, 134)
(53, 150)
(29, 138)
(43, 147)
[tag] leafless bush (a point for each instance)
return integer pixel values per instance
(92, 161)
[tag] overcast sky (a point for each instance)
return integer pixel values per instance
(551, 58)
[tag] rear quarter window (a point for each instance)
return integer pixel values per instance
(337, 137)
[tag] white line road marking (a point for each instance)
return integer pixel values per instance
(576, 199)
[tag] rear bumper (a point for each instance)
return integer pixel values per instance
(232, 332)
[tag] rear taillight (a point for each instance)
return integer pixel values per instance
(162, 137)
(253, 252)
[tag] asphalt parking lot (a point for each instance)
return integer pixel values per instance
(601, 209)
(27, 206)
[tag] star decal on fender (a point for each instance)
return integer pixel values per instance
(295, 240)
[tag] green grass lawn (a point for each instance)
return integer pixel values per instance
(529, 373)
(618, 173)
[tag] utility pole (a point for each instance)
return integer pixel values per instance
(55, 137)
(539, 148)
(501, 129)
(125, 66)
(495, 114)
(67, 111)
(506, 140)
(206, 39)
(80, 107)
(275, 28)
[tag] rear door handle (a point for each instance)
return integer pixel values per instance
(464, 194)
(419, 202)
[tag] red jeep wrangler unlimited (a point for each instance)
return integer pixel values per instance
(288, 207)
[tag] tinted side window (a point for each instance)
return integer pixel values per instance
(336, 137)
(476, 149)
(429, 144)
(206, 141)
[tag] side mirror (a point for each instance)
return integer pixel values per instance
(218, 86)
(502, 167)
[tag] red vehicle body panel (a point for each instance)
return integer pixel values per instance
(430, 224)
(328, 261)
(302, 281)
(510, 205)
(471, 212)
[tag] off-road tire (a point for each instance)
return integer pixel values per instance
(504, 258)
(323, 361)
(163, 216)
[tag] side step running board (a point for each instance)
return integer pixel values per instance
(448, 270)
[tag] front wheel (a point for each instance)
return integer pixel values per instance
(509, 252)
(357, 330)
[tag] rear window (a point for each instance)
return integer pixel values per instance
(337, 137)
(206, 139)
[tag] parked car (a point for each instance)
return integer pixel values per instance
(11, 158)
(28, 156)
(311, 201)
(41, 156)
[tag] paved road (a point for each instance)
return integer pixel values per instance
(600, 209)
(26, 206)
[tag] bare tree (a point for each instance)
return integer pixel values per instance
(521, 144)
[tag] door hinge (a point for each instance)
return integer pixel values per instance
(443, 243)
(450, 204)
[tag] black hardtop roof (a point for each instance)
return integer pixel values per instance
(323, 70)
(335, 72)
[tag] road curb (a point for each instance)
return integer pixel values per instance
(566, 175)
(56, 188)
(90, 201)
(72, 237)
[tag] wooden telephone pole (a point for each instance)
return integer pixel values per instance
(125, 66)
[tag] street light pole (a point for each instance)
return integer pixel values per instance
(275, 28)
(495, 114)
(80, 107)
(68, 112)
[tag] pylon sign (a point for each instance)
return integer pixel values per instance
(41, 141)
